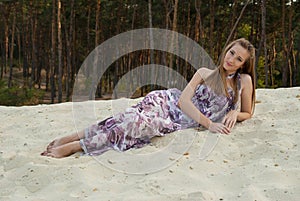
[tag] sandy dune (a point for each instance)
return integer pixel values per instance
(260, 160)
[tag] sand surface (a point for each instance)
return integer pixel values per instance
(260, 160)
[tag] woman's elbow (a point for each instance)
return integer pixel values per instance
(244, 116)
(179, 103)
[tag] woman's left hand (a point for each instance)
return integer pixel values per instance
(230, 119)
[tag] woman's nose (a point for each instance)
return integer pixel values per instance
(230, 59)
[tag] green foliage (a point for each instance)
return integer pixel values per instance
(260, 73)
(16, 96)
(244, 30)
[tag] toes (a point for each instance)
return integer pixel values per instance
(44, 153)
(51, 145)
(51, 155)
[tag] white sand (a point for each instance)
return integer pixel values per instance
(260, 160)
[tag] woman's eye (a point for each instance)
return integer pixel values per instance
(240, 59)
(232, 52)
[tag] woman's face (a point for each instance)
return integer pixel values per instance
(235, 58)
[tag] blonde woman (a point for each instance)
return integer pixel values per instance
(215, 99)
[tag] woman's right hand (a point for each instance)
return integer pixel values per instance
(218, 128)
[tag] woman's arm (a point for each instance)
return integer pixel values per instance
(246, 103)
(186, 105)
(185, 101)
(246, 98)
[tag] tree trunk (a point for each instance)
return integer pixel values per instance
(260, 41)
(12, 49)
(88, 28)
(297, 60)
(290, 45)
(69, 35)
(253, 10)
(211, 26)
(97, 24)
(234, 14)
(2, 60)
(73, 46)
(174, 42)
(53, 50)
(25, 30)
(6, 44)
(40, 58)
(285, 64)
(23, 46)
(117, 71)
(199, 33)
(184, 71)
(295, 68)
(59, 40)
(152, 73)
(263, 36)
(33, 19)
(131, 55)
(97, 41)
(167, 19)
(272, 60)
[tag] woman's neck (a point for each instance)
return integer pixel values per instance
(230, 76)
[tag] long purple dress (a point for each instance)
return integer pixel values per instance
(156, 115)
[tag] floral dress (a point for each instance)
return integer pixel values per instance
(156, 115)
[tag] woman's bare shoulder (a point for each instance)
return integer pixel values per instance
(246, 80)
(204, 72)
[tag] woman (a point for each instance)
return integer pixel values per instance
(215, 99)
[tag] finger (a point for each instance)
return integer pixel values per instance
(233, 124)
(230, 124)
(221, 129)
(226, 130)
(224, 120)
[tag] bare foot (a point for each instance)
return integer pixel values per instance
(63, 150)
(59, 142)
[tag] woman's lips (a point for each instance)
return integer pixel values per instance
(228, 64)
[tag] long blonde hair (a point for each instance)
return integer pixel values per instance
(217, 79)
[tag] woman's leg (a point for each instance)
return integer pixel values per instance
(133, 128)
(64, 146)
(66, 139)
